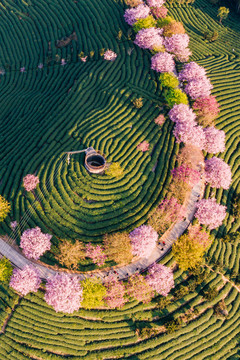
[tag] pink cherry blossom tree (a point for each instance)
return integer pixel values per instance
(163, 62)
(143, 146)
(115, 297)
(160, 278)
(26, 280)
(206, 107)
(197, 234)
(30, 182)
(149, 38)
(192, 71)
(182, 114)
(159, 12)
(200, 87)
(160, 120)
(215, 140)
(109, 55)
(177, 43)
(189, 134)
(138, 288)
(96, 254)
(63, 293)
(167, 212)
(218, 173)
(134, 14)
(143, 240)
(155, 3)
(34, 243)
(210, 213)
(186, 174)
(183, 55)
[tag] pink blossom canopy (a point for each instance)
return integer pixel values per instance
(191, 71)
(115, 292)
(34, 243)
(143, 146)
(186, 174)
(155, 3)
(182, 113)
(172, 209)
(134, 14)
(183, 55)
(197, 234)
(189, 134)
(210, 213)
(149, 38)
(30, 182)
(109, 55)
(177, 43)
(160, 278)
(159, 12)
(143, 240)
(207, 106)
(63, 293)
(96, 254)
(26, 280)
(163, 62)
(218, 173)
(215, 140)
(200, 87)
(160, 119)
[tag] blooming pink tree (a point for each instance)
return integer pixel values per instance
(155, 3)
(189, 134)
(26, 280)
(210, 213)
(197, 234)
(134, 14)
(96, 254)
(218, 173)
(159, 12)
(176, 44)
(167, 212)
(186, 174)
(109, 55)
(160, 278)
(192, 71)
(183, 55)
(34, 243)
(207, 107)
(115, 297)
(160, 120)
(182, 114)
(215, 140)
(149, 38)
(143, 240)
(138, 288)
(30, 182)
(63, 293)
(163, 62)
(143, 146)
(200, 87)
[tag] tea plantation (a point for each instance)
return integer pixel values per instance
(50, 109)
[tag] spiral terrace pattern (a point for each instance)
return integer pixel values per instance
(61, 108)
(35, 331)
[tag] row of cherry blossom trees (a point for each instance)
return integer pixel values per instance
(167, 40)
(65, 293)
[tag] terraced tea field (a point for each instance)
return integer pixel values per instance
(48, 111)
(45, 112)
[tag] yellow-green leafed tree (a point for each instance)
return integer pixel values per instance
(4, 208)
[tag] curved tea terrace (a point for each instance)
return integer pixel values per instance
(123, 272)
